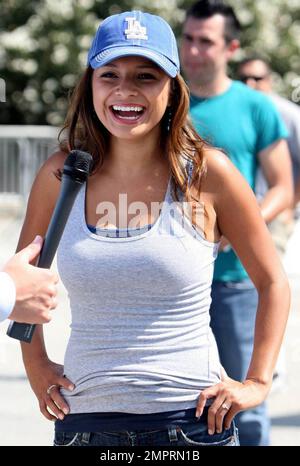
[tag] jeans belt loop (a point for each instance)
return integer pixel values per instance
(172, 431)
(85, 438)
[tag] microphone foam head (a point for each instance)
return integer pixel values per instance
(80, 160)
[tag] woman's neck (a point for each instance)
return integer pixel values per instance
(133, 158)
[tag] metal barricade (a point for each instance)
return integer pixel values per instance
(23, 149)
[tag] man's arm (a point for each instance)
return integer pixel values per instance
(276, 165)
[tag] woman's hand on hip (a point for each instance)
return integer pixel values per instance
(46, 378)
(230, 397)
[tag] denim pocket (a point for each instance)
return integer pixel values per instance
(194, 437)
(66, 439)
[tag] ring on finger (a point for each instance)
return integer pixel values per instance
(225, 406)
(50, 388)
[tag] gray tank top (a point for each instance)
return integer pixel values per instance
(140, 335)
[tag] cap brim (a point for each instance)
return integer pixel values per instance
(111, 54)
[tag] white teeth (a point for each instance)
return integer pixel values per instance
(127, 109)
(122, 117)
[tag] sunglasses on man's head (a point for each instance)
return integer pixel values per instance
(247, 77)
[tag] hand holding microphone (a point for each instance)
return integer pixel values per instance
(76, 170)
(34, 288)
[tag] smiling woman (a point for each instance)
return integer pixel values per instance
(142, 366)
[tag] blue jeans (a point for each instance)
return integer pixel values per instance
(191, 434)
(233, 312)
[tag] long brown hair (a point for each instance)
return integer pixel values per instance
(179, 141)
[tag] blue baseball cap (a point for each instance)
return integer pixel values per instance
(135, 33)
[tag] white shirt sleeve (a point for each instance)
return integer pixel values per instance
(7, 295)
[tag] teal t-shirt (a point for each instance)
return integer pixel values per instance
(242, 122)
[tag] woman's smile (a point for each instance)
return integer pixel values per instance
(127, 113)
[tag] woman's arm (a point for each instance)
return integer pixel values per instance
(239, 219)
(40, 370)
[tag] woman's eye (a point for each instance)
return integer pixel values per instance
(146, 76)
(108, 74)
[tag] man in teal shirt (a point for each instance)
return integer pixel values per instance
(246, 125)
(243, 124)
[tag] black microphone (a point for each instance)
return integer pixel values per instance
(77, 167)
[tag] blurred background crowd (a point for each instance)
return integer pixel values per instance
(43, 47)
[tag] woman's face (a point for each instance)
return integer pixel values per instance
(130, 96)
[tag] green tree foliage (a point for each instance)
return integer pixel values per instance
(44, 44)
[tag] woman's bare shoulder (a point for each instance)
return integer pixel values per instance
(46, 185)
(43, 196)
(217, 162)
(54, 162)
(221, 172)
(47, 174)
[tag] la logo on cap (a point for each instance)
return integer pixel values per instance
(134, 29)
